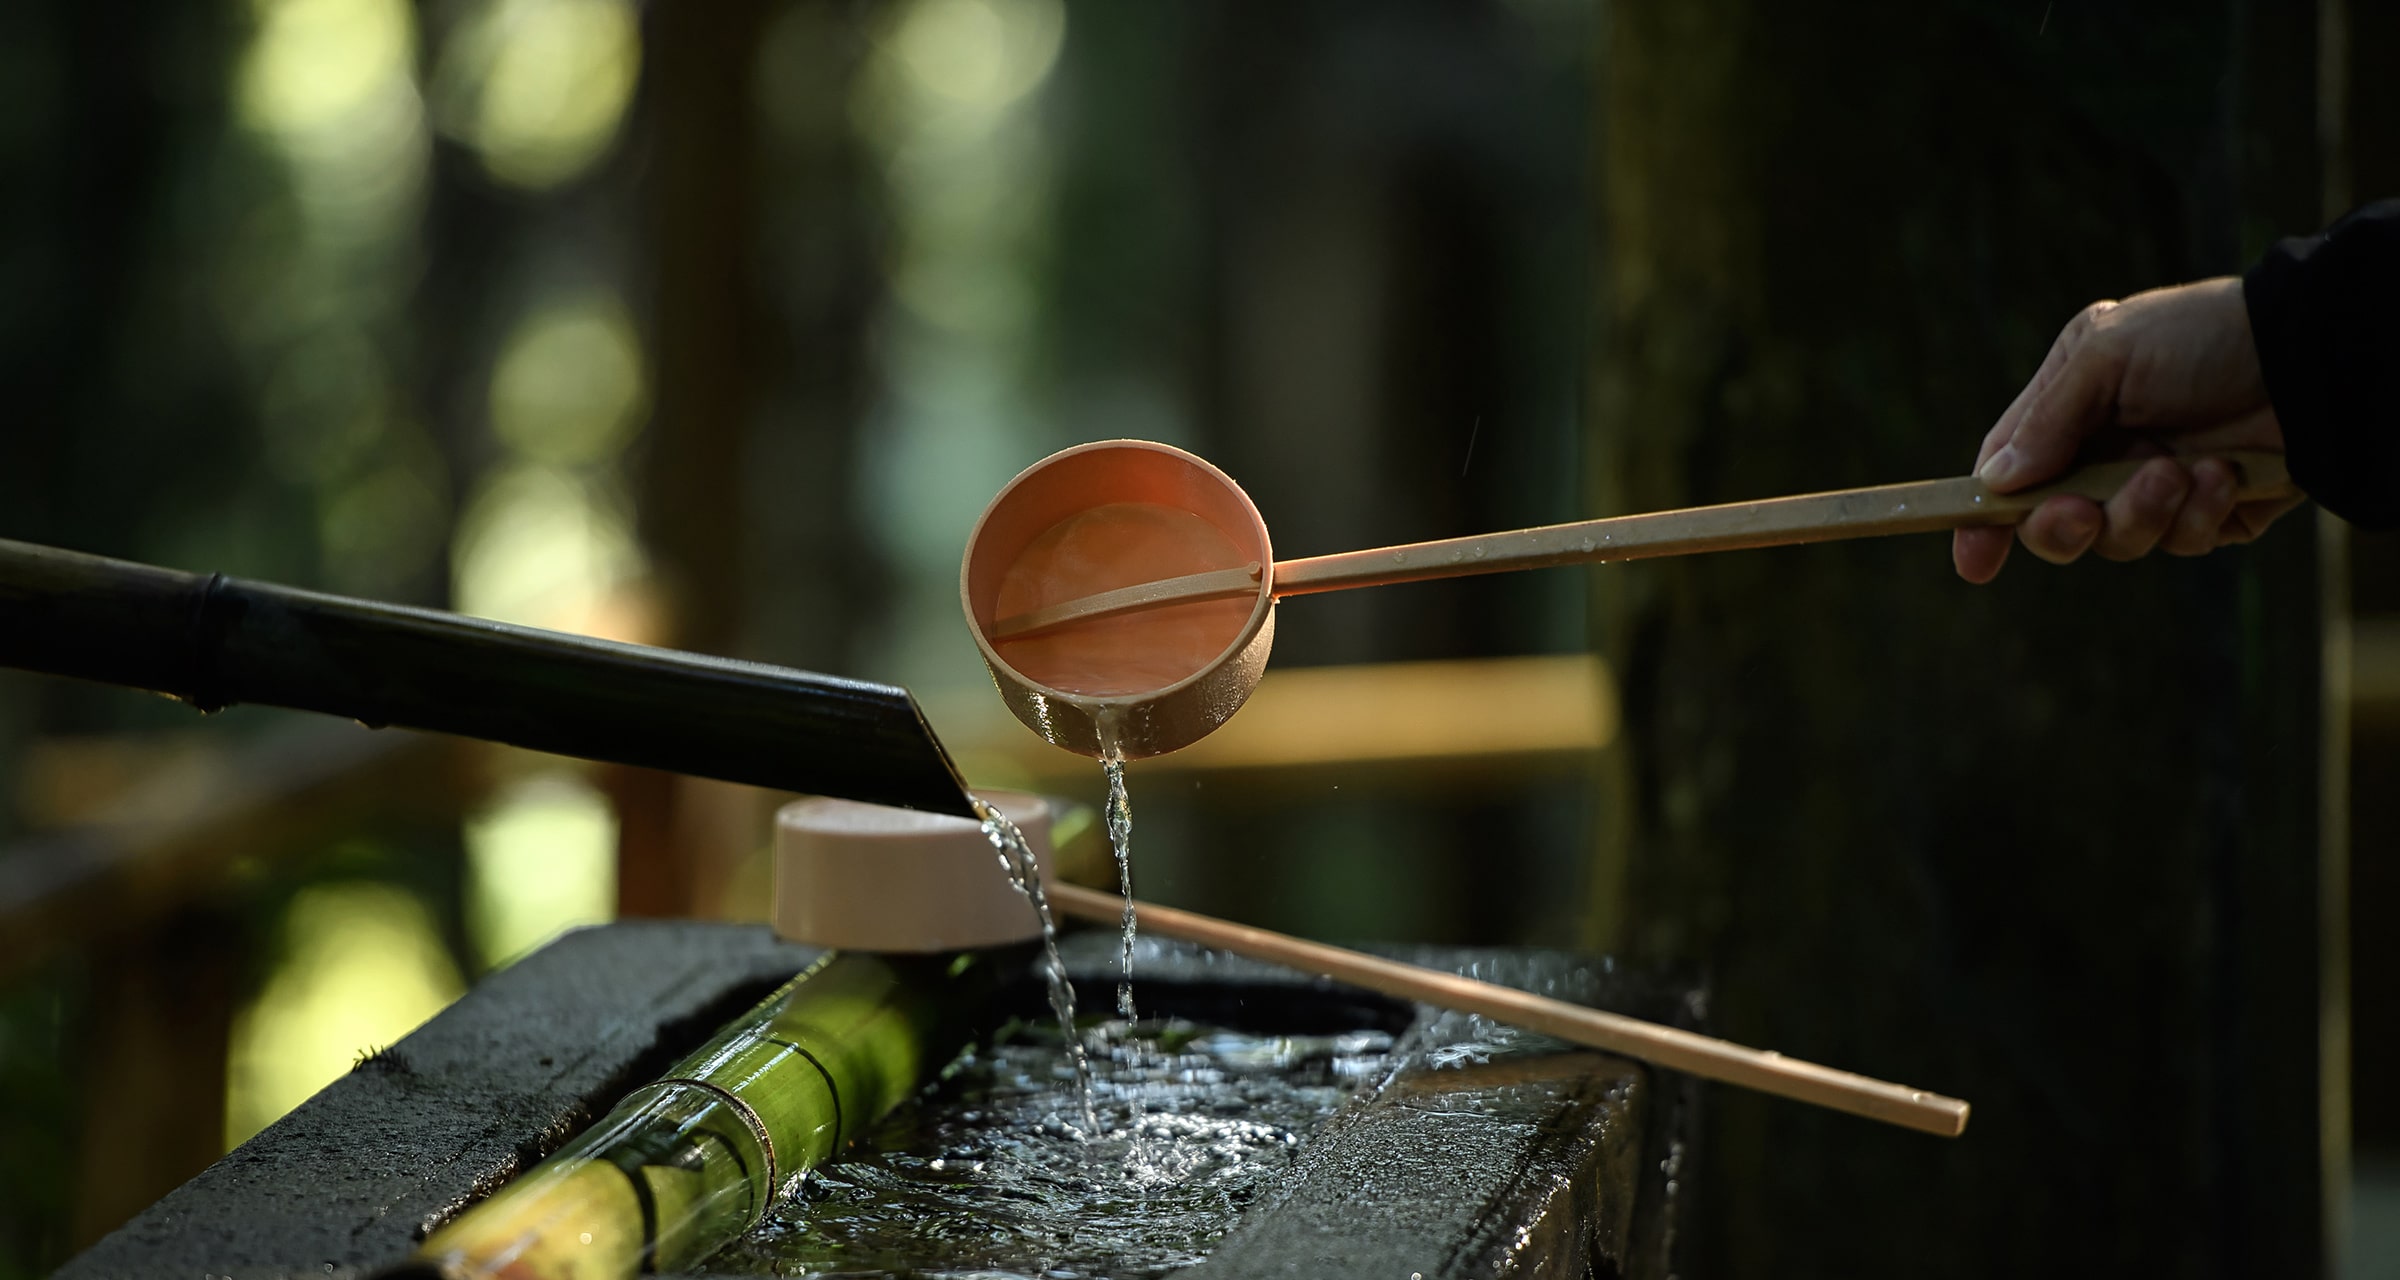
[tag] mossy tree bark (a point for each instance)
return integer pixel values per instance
(2049, 845)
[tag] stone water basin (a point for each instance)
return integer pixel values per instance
(1286, 1127)
(1253, 1122)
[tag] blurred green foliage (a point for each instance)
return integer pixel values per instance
(475, 303)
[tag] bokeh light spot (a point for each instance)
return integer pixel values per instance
(545, 548)
(540, 861)
(569, 387)
(985, 53)
(331, 85)
(539, 87)
(362, 966)
(315, 61)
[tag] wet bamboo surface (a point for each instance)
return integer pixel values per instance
(215, 641)
(688, 1162)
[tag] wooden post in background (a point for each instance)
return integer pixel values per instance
(153, 1098)
(762, 237)
(701, 197)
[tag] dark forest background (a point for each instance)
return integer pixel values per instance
(715, 326)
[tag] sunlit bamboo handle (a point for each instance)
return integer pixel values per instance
(1920, 507)
(1671, 1047)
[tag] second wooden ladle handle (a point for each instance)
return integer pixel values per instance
(1919, 507)
(1699, 1055)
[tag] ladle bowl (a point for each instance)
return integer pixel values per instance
(1100, 517)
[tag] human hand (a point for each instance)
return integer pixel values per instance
(2166, 374)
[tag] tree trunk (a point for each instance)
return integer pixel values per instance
(2049, 845)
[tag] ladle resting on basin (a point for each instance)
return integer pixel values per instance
(1703, 1056)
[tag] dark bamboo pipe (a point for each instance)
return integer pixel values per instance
(214, 641)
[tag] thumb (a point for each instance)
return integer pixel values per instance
(2066, 409)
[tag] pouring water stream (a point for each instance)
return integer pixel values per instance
(1016, 859)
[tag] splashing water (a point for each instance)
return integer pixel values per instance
(1016, 858)
(972, 1180)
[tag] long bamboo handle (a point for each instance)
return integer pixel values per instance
(1670, 1047)
(1919, 507)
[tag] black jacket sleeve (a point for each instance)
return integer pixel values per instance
(2325, 313)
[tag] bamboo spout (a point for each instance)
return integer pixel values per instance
(215, 641)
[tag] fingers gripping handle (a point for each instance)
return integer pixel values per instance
(2258, 477)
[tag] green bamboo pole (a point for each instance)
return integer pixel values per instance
(685, 1164)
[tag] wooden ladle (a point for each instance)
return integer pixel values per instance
(1122, 592)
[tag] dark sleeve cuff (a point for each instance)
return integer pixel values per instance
(2325, 315)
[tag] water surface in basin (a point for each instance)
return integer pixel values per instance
(985, 1178)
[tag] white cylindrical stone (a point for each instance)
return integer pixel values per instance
(863, 877)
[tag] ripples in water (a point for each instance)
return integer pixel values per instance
(985, 1179)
